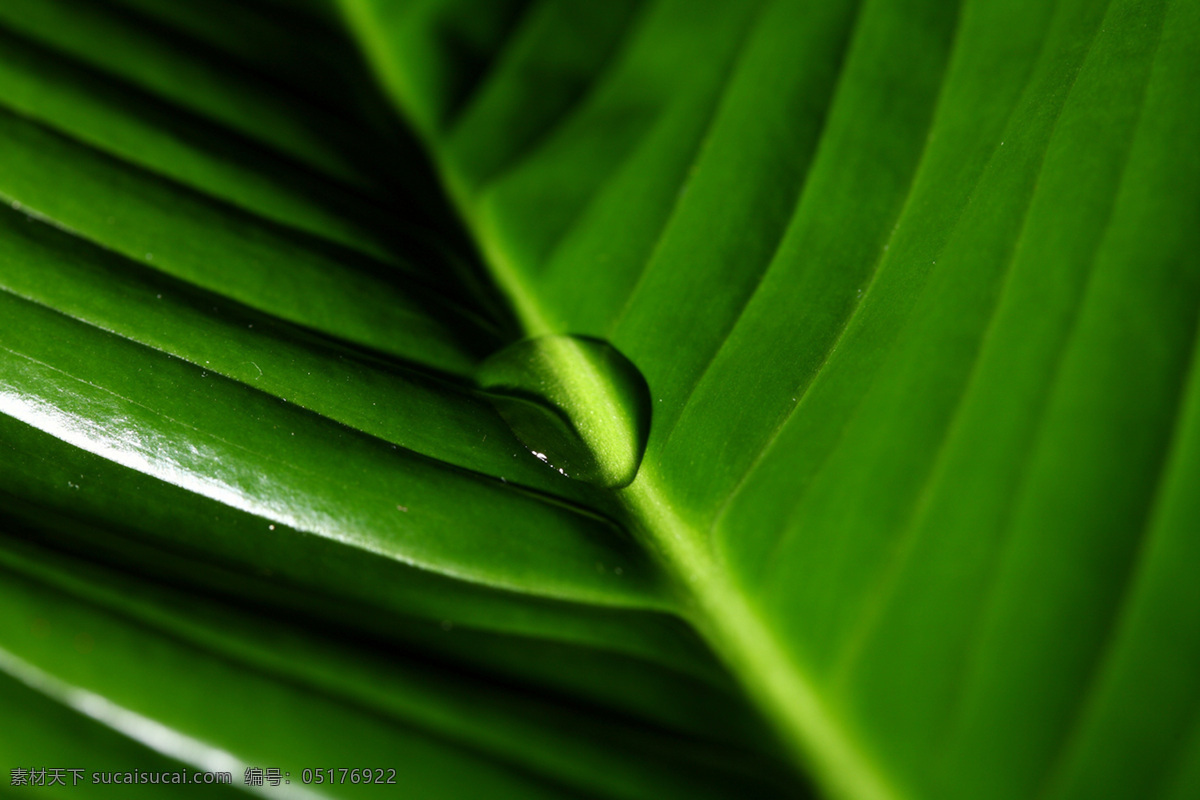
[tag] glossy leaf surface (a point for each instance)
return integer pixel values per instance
(867, 329)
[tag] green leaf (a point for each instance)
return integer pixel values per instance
(798, 397)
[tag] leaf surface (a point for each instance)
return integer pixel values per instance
(912, 288)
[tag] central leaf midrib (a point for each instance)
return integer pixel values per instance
(736, 631)
(785, 694)
(710, 601)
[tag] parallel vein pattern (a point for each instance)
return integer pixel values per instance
(913, 285)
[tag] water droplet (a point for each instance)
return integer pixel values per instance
(579, 405)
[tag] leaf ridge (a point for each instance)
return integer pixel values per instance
(905, 543)
(780, 238)
(714, 108)
(135, 104)
(315, 148)
(803, 392)
(973, 656)
(315, 518)
(1103, 663)
(547, 134)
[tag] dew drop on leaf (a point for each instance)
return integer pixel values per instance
(577, 404)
